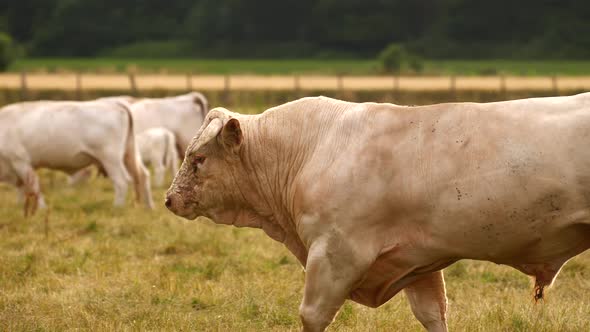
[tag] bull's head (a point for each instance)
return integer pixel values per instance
(208, 181)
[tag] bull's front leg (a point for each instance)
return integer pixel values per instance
(427, 297)
(332, 269)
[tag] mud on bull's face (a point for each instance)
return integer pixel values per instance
(206, 184)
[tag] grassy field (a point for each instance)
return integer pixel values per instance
(327, 67)
(94, 267)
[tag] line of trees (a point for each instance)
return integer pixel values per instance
(541, 29)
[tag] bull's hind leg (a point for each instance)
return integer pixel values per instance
(427, 297)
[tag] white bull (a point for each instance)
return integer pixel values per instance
(374, 199)
(157, 147)
(69, 136)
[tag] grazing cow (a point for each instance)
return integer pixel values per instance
(69, 136)
(182, 115)
(157, 146)
(377, 198)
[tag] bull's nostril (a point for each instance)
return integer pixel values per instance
(168, 202)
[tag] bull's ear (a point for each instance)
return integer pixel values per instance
(231, 134)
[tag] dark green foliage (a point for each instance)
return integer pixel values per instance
(459, 29)
(392, 58)
(416, 63)
(7, 51)
(395, 58)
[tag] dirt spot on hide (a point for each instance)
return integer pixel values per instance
(551, 202)
(464, 143)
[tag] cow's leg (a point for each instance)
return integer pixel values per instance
(172, 159)
(159, 170)
(80, 176)
(144, 184)
(20, 193)
(118, 174)
(174, 165)
(33, 198)
(32, 192)
(140, 176)
(427, 297)
(21, 197)
(331, 272)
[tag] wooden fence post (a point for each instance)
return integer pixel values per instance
(340, 84)
(79, 85)
(23, 86)
(554, 85)
(296, 86)
(503, 86)
(189, 82)
(132, 83)
(226, 89)
(396, 86)
(453, 87)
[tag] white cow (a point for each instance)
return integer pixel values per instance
(157, 147)
(181, 115)
(374, 198)
(69, 136)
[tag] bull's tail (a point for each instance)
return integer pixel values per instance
(170, 154)
(134, 165)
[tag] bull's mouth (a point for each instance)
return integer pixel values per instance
(176, 205)
(190, 216)
(186, 213)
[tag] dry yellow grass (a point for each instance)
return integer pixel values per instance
(107, 269)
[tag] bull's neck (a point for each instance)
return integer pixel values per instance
(275, 151)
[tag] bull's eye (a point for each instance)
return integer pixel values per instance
(199, 159)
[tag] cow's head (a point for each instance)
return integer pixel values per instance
(209, 180)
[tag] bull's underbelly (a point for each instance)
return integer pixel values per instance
(532, 238)
(536, 247)
(383, 280)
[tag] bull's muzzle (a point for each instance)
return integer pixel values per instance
(173, 202)
(176, 204)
